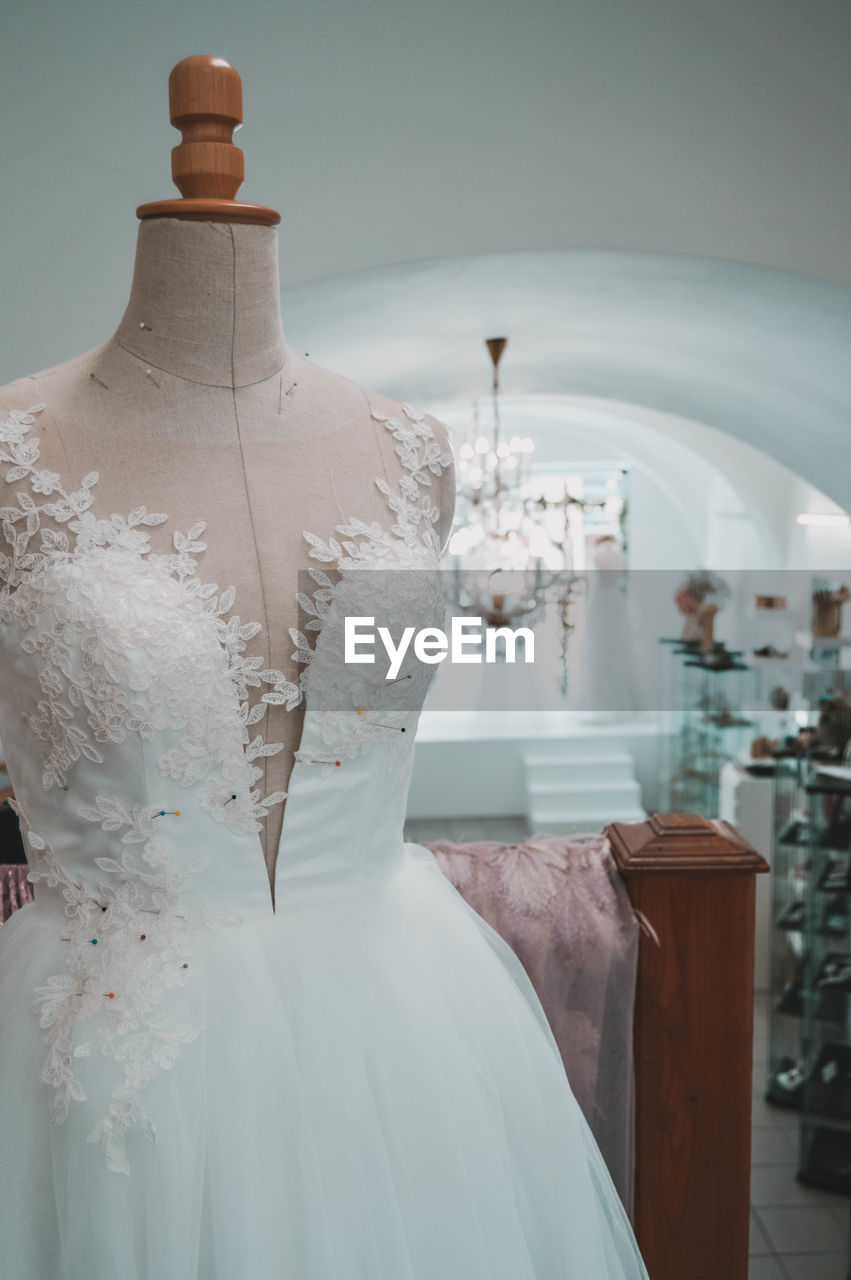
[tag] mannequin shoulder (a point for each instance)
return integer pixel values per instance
(57, 385)
(38, 398)
(368, 413)
(61, 395)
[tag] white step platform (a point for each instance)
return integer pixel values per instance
(580, 783)
(565, 771)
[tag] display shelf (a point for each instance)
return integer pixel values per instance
(796, 832)
(835, 875)
(793, 917)
(713, 729)
(825, 1136)
(790, 867)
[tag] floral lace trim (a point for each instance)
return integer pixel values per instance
(131, 943)
(356, 711)
(122, 958)
(30, 581)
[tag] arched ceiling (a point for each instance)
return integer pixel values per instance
(389, 131)
(757, 353)
(685, 466)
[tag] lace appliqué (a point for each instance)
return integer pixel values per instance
(126, 948)
(115, 593)
(353, 709)
(135, 643)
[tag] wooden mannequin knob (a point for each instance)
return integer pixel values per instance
(205, 102)
(205, 98)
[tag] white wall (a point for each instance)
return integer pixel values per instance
(639, 151)
(388, 130)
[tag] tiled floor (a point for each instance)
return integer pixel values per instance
(462, 829)
(797, 1232)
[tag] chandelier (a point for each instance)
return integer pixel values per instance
(511, 554)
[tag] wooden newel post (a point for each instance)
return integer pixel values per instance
(693, 882)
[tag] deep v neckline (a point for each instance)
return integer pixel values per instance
(415, 515)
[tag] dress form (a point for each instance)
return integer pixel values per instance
(196, 407)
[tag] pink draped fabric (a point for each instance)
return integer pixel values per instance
(560, 903)
(15, 889)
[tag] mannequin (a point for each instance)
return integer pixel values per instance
(196, 407)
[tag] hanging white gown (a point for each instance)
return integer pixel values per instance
(357, 1083)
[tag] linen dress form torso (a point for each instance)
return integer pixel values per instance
(257, 475)
(352, 1078)
(129, 705)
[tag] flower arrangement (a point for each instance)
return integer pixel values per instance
(698, 598)
(701, 587)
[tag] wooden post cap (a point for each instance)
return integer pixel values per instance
(205, 104)
(205, 98)
(681, 842)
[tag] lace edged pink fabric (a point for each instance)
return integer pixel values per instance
(561, 905)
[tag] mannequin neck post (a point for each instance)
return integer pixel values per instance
(205, 301)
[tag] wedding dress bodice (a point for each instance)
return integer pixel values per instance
(131, 713)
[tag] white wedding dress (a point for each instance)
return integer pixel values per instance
(355, 1084)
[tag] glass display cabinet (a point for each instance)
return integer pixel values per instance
(790, 866)
(713, 729)
(825, 1135)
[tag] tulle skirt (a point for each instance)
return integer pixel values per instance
(376, 1096)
